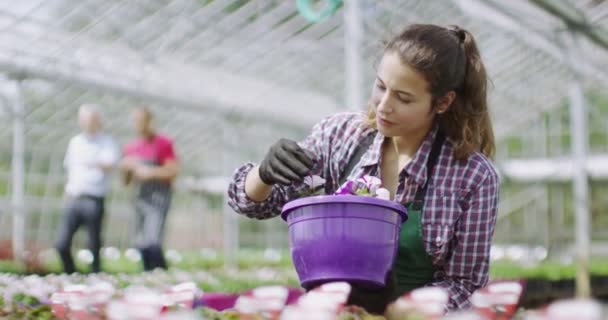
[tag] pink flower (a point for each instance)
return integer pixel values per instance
(346, 188)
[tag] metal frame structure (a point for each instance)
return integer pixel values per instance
(233, 75)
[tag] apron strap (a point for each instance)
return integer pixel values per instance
(433, 156)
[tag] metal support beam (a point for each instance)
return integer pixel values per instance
(18, 168)
(578, 128)
(556, 169)
(353, 41)
(230, 219)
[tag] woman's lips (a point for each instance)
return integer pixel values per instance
(385, 122)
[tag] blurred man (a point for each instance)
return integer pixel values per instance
(150, 163)
(90, 157)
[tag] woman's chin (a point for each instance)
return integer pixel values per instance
(385, 131)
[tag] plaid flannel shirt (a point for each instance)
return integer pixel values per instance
(460, 207)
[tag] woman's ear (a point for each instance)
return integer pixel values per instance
(444, 103)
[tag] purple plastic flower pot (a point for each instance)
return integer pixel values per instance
(343, 238)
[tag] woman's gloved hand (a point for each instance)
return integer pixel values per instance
(285, 163)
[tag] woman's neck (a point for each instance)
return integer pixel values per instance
(408, 145)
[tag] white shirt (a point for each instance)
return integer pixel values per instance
(82, 159)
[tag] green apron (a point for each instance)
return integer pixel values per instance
(414, 267)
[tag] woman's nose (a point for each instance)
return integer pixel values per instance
(385, 104)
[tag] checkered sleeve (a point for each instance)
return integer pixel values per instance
(466, 270)
(241, 203)
(317, 143)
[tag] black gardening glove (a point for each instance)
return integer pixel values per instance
(373, 301)
(285, 163)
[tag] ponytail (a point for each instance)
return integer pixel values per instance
(467, 122)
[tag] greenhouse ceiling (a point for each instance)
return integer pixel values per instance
(203, 60)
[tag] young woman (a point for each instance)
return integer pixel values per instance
(428, 136)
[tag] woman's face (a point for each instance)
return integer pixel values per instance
(401, 99)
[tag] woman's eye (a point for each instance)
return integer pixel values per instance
(404, 100)
(380, 86)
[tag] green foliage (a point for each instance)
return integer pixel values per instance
(9, 266)
(515, 145)
(191, 260)
(24, 309)
(215, 202)
(559, 142)
(599, 100)
(227, 283)
(546, 270)
(4, 188)
(253, 260)
(211, 314)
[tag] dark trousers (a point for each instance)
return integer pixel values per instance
(81, 210)
(151, 209)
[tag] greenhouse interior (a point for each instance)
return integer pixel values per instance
(224, 80)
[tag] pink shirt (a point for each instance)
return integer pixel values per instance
(156, 151)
